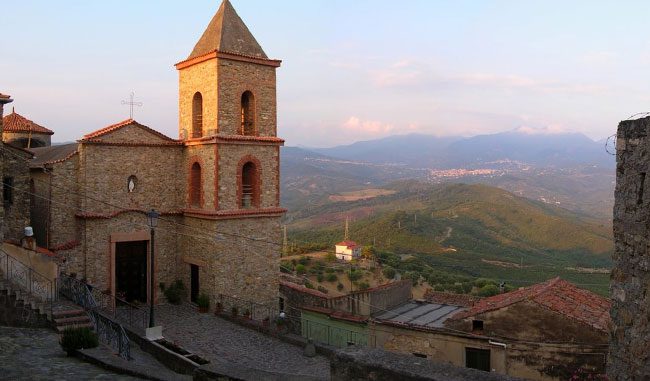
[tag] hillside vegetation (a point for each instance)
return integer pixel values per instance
(474, 230)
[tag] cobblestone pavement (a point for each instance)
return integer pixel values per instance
(215, 338)
(35, 354)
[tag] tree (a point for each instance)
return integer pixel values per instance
(300, 269)
(368, 252)
(488, 290)
(389, 272)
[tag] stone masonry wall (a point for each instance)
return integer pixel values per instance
(16, 213)
(229, 262)
(229, 157)
(236, 77)
(201, 77)
(44, 140)
(205, 155)
(629, 357)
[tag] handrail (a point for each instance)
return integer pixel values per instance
(121, 310)
(29, 280)
(108, 330)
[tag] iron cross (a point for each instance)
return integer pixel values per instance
(131, 103)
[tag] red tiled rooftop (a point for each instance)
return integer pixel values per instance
(15, 122)
(301, 288)
(349, 244)
(103, 131)
(4, 96)
(555, 294)
(461, 300)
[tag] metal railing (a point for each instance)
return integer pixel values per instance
(28, 280)
(120, 310)
(335, 336)
(108, 330)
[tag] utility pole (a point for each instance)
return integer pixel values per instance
(346, 237)
(415, 217)
(399, 225)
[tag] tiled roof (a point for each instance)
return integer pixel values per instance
(128, 122)
(52, 154)
(428, 315)
(461, 300)
(15, 122)
(555, 294)
(338, 315)
(348, 244)
(227, 33)
(303, 289)
(4, 96)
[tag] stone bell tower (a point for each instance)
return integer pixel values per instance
(227, 122)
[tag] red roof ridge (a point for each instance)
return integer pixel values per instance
(127, 122)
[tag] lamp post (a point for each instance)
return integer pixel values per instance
(152, 215)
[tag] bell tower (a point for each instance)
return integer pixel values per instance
(228, 125)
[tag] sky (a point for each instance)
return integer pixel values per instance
(352, 69)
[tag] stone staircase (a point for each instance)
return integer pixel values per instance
(19, 308)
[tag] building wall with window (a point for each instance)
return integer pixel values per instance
(15, 191)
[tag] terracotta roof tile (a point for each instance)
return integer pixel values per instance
(349, 244)
(555, 294)
(15, 122)
(92, 137)
(4, 96)
(303, 289)
(461, 300)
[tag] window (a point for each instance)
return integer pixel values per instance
(8, 190)
(197, 115)
(249, 191)
(195, 185)
(421, 355)
(477, 325)
(477, 358)
(247, 113)
(131, 183)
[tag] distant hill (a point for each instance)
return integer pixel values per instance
(471, 229)
(417, 150)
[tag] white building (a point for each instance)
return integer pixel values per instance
(347, 250)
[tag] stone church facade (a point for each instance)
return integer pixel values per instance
(216, 187)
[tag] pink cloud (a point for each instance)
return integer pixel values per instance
(371, 127)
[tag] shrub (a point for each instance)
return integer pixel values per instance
(355, 275)
(339, 286)
(330, 257)
(329, 270)
(304, 260)
(364, 285)
(488, 290)
(323, 289)
(320, 278)
(175, 292)
(389, 272)
(300, 269)
(332, 278)
(203, 301)
(439, 288)
(309, 285)
(78, 338)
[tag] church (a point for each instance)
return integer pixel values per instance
(216, 186)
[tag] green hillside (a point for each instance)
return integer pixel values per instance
(474, 230)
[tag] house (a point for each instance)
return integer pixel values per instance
(216, 186)
(543, 332)
(347, 250)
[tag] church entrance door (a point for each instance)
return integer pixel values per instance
(131, 270)
(194, 283)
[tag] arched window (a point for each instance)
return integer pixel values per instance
(197, 115)
(195, 185)
(247, 113)
(249, 186)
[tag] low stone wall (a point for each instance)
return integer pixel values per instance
(359, 364)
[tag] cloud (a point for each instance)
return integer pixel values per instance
(553, 129)
(369, 127)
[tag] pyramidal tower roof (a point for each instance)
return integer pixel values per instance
(227, 33)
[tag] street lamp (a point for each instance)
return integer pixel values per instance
(152, 215)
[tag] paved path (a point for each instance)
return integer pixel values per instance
(35, 354)
(214, 338)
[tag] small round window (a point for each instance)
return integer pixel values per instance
(131, 183)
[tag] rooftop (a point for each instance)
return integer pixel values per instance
(52, 154)
(461, 300)
(15, 122)
(348, 243)
(430, 315)
(555, 294)
(227, 33)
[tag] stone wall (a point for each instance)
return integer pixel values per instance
(201, 77)
(16, 213)
(529, 360)
(230, 263)
(230, 158)
(20, 139)
(376, 299)
(205, 155)
(629, 357)
(236, 77)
